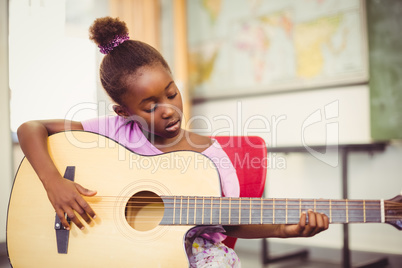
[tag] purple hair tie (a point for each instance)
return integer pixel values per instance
(116, 41)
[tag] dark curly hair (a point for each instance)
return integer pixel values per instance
(123, 60)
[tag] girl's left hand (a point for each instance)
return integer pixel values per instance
(317, 222)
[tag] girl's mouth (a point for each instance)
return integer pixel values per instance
(173, 126)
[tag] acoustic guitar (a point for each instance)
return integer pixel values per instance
(145, 206)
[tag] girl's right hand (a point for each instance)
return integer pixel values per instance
(66, 197)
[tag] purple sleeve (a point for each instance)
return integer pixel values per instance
(104, 125)
(91, 125)
(109, 126)
(229, 181)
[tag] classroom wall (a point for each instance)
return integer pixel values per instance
(339, 115)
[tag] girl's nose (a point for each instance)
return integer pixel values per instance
(168, 111)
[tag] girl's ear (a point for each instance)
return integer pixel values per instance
(120, 111)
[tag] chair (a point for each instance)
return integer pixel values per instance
(248, 155)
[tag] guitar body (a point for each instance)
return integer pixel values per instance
(117, 174)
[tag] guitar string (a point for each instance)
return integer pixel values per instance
(207, 215)
(290, 217)
(244, 198)
(320, 205)
(246, 219)
(355, 210)
(268, 217)
(233, 206)
(248, 204)
(255, 200)
(324, 203)
(342, 217)
(369, 204)
(351, 218)
(244, 206)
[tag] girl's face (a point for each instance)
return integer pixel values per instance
(154, 101)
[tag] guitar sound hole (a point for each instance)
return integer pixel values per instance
(144, 211)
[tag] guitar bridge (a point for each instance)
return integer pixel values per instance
(63, 234)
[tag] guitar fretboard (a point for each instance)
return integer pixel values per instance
(191, 210)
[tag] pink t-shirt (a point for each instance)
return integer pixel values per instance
(130, 136)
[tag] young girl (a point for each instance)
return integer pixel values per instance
(148, 105)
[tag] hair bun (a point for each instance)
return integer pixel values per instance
(108, 33)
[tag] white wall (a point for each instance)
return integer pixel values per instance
(5, 132)
(74, 17)
(285, 119)
(280, 120)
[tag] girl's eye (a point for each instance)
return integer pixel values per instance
(152, 109)
(172, 96)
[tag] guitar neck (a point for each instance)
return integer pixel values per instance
(191, 210)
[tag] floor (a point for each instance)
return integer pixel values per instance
(250, 262)
(4, 263)
(251, 257)
(250, 254)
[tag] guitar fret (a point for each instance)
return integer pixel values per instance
(178, 210)
(188, 208)
(181, 208)
(364, 210)
(286, 211)
(230, 208)
(262, 205)
(300, 210)
(225, 211)
(255, 211)
(273, 211)
(356, 211)
(373, 211)
(347, 211)
(174, 209)
(292, 211)
(220, 211)
(203, 205)
(323, 206)
(249, 222)
(212, 200)
(330, 211)
(315, 205)
(235, 210)
(267, 212)
(246, 206)
(207, 210)
(200, 210)
(239, 211)
(338, 211)
(281, 211)
(195, 209)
